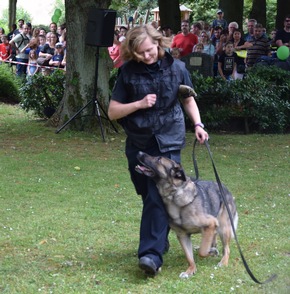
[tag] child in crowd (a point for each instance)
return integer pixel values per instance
(198, 48)
(57, 58)
(32, 67)
(219, 21)
(5, 48)
(175, 52)
(42, 41)
(227, 62)
(32, 45)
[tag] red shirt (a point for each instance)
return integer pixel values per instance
(114, 53)
(184, 42)
(5, 51)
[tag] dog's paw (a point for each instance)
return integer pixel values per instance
(184, 275)
(213, 251)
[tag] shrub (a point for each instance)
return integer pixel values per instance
(42, 94)
(214, 99)
(9, 85)
(261, 99)
(262, 102)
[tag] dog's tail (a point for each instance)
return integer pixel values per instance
(236, 218)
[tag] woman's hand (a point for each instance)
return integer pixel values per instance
(118, 110)
(48, 56)
(148, 101)
(201, 134)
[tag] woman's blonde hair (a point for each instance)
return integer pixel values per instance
(136, 36)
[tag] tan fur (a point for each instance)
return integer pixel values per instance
(189, 208)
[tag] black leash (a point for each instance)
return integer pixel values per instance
(228, 210)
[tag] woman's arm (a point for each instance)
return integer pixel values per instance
(118, 110)
(192, 112)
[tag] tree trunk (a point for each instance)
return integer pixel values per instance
(283, 8)
(169, 13)
(233, 10)
(12, 12)
(80, 70)
(258, 11)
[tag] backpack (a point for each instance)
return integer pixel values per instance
(23, 39)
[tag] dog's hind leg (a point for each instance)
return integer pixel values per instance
(208, 237)
(185, 242)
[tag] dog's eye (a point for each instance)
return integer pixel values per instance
(159, 159)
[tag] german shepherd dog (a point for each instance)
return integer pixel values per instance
(193, 207)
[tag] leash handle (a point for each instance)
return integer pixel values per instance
(230, 214)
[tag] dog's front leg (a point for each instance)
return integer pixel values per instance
(186, 244)
(208, 237)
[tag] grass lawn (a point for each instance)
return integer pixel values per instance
(69, 216)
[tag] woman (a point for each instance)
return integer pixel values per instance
(237, 39)
(47, 51)
(145, 101)
(238, 42)
(114, 51)
(208, 48)
(35, 32)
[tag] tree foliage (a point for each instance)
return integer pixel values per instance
(21, 13)
(127, 8)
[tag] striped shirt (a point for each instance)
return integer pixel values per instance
(261, 47)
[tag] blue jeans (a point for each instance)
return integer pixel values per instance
(154, 226)
(21, 68)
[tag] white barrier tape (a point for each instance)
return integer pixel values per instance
(23, 63)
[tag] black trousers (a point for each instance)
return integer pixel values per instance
(154, 226)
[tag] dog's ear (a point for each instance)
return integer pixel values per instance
(179, 173)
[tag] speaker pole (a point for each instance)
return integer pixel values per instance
(96, 104)
(96, 109)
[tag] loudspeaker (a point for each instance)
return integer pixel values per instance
(101, 27)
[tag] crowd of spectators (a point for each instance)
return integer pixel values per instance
(233, 51)
(35, 50)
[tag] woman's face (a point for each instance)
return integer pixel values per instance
(148, 50)
(53, 38)
(36, 32)
(237, 35)
(204, 38)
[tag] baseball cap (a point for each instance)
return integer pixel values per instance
(58, 45)
(219, 11)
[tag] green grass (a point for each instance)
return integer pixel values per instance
(69, 231)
